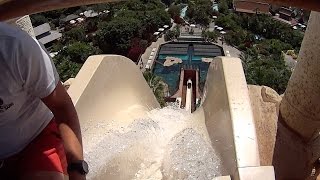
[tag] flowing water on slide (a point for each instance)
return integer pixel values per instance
(166, 144)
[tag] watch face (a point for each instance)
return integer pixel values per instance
(85, 167)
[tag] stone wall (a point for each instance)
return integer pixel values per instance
(265, 106)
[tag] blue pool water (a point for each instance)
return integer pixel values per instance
(183, 12)
(170, 74)
(215, 7)
(182, 57)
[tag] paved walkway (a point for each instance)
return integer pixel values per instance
(229, 50)
(145, 56)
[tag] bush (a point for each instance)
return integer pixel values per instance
(38, 19)
(78, 52)
(157, 86)
(200, 11)
(171, 34)
(210, 35)
(74, 35)
(66, 68)
(174, 10)
(265, 70)
(223, 7)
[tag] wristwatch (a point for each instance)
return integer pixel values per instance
(79, 166)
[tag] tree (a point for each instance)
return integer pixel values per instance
(210, 36)
(66, 68)
(239, 37)
(100, 7)
(167, 2)
(38, 19)
(75, 34)
(174, 10)
(200, 11)
(155, 19)
(172, 34)
(264, 70)
(272, 47)
(267, 27)
(228, 22)
(223, 7)
(157, 86)
(78, 52)
(115, 36)
(91, 25)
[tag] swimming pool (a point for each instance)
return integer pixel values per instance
(183, 11)
(182, 57)
(215, 7)
(191, 54)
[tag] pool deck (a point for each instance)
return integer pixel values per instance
(228, 50)
(145, 56)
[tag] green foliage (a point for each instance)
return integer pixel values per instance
(56, 14)
(223, 7)
(100, 7)
(210, 36)
(200, 11)
(167, 2)
(269, 28)
(75, 34)
(272, 47)
(262, 58)
(135, 19)
(181, 1)
(128, 26)
(157, 86)
(229, 22)
(78, 52)
(38, 19)
(172, 34)
(174, 10)
(66, 68)
(91, 26)
(261, 25)
(115, 36)
(236, 38)
(264, 70)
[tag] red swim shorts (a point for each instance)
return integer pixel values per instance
(44, 153)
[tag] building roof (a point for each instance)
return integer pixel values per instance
(251, 7)
(292, 22)
(43, 28)
(69, 18)
(53, 35)
(286, 11)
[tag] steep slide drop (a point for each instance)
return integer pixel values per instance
(127, 136)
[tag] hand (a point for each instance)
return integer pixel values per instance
(76, 176)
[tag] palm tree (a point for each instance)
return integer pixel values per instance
(157, 86)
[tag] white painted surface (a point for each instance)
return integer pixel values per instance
(189, 96)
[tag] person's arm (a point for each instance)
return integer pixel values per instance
(38, 76)
(60, 104)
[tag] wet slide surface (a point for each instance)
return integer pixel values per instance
(127, 136)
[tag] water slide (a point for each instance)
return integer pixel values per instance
(126, 135)
(189, 96)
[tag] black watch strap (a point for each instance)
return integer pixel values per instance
(79, 166)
